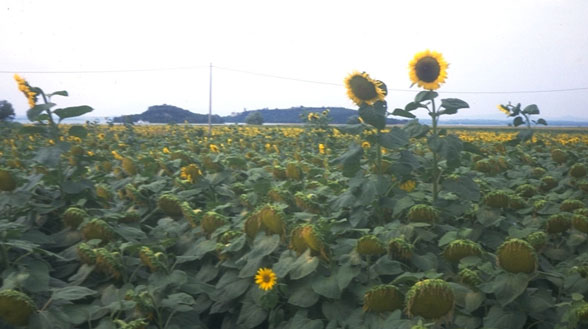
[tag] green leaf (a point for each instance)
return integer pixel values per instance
(326, 286)
(350, 160)
(374, 115)
(34, 112)
(403, 113)
(251, 315)
(447, 237)
(198, 250)
(78, 131)
(303, 295)
(506, 287)
(464, 186)
(531, 109)
(60, 93)
(179, 302)
(415, 129)
(304, 265)
(518, 121)
(386, 266)
(351, 129)
(71, 112)
(451, 105)
(448, 147)
(71, 293)
(49, 156)
(395, 138)
(346, 273)
(413, 106)
(541, 122)
(425, 95)
(230, 287)
(498, 318)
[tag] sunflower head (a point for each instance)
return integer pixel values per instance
(548, 182)
(370, 245)
(86, 254)
(432, 299)
(559, 156)
(383, 298)
(272, 219)
(428, 69)
(497, 199)
(400, 249)
(517, 256)
(423, 213)
(16, 307)
(97, 229)
(170, 205)
(363, 89)
(578, 170)
(7, 181)
(128, 166)
(211, 221)
(73, 217)
(571, 205)
(266, 279)
(537, 239)
(558, 223)
(458, 249)
(580, 222)
(293, 171)
(526, 190)
(469, 277)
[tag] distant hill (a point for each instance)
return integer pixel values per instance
(339, 115)
(168, 114)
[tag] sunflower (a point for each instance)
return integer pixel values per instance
(503, 109)
(428, 69)
(363, 89)
(265, 278)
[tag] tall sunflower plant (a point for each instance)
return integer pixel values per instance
(522, 117)
(42, 113)
(428, 70)
(369, 94)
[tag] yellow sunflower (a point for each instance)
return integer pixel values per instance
(503, 109)
(428, 69)
(363, 89)
(265, 278)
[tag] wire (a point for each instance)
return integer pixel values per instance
(286, 78)
(107, 71)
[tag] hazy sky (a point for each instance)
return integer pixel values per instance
(492, 46)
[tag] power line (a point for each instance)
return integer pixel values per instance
(266, 75)
(107, 71)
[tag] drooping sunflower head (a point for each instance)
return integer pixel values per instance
(383, 298)
(517, 256)
(170, 205)
(7, 181)
(16, 307)
(558, 223)
(73, 217)
(428, 69)
(266, 279)
(370, 245)
(212, 220)
(432, 299)
(363, 89)
(537, 239)
(458, 249)
(423, 213)
(400, 249)
(578, 170)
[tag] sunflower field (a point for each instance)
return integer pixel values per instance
(313, 226)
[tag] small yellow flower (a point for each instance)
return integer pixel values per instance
(214, 148)
(116, 155)
(321, 148)
(408, 185)
(365, 144)
(166, 150)
(265, 279)
(101, 136)
(90, 153)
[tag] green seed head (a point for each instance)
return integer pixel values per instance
(400, 249)
(559, 156)
(517, 256)
(580, 222)
(547, 183)
(469, 277)
(432, 299)
(73, 217)
(538, 172)
(383, 298)
(558, 223)
(370, 245)
(211, 221)
(7, 181)
(578, 170)
(16, 307)
(86, 254)
(571, 205)
(423, 213)
(497, 199)
(458, 249)
(526, 190)
(537, 239)
(170, 205)
(97, 229)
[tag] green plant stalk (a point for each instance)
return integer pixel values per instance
(379, 153)
(436, 172)
(4, 255)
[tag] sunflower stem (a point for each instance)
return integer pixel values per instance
(436, 172)
(379, 153)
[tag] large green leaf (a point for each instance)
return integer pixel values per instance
(327, 286)
(507, 287)
(451, 105)
(464, 186)
(34, 112)
(71, 293)
(518, 121)
(531, 109)
(78, 131)
(350, 160)
(304, 265)
(403, 113)
(374, 115)
(448, 147)
(60, 93)
(251, 315)
(425, 95)
(71, 112)
(415, 129)
(393, 139)
(498, 318)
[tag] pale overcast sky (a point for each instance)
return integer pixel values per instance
(492, 46)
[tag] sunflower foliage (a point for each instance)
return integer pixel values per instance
(522, 117)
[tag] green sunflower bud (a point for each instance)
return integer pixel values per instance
(150, 259)
(293, 171)
(86, 254)
(469, 277)
(400, 249)
(580, 222)
(558, 223)
(537, 239)
(97, 229)
(307, 202)
(578, 170)
(383, 298)
(108, 262)
(432, 299)
(128, 166)
(547, 183)
(370, 245)
(526, 190)
(571, 205)
(423, 213)
(16, 307)
(73, 217)
(516, 202)
(170, 205)
(7, 181)
(537, 172)
(211, 221)
(517, 256)
(581, 269)
(559, 156)
(228, 236)
(483, 166)
(581, 312)
(497, 199)
(458, 249)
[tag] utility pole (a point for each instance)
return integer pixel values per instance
(210, 103)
